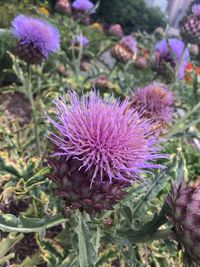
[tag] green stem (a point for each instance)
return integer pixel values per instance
(33, 109)
(159, 235)
(5, 259)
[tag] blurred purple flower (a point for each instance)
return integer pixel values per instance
(35, 35)
(196, 9)
(175, 56)
(82, 5)
(157, 100)
(110, 140)
(130, 42)
(80, 39)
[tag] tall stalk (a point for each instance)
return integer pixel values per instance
(33, 110)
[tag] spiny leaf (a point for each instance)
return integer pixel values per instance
(52, 253)
(10, 223)
(153, 190)
(8, 168)
(87, 254)
(9, 242)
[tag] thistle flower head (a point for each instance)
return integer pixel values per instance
(116, 30)
(184, 202)
(157, 100)
(130, 42)
(82, 5)
(80, 39)
(172, 51)
(35, 35)
(196, 9)
(108, 139)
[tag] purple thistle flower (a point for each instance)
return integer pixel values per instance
(80, 39)
(157, 100)
(196, 9)
(110, 140)
(130, 42)
(82, 5)
(175, 56)
(37, 38)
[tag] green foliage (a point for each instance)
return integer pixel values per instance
(133, 15)
(7, 43)
(130, 234)
(6, 246)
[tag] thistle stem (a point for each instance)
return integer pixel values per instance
(33, 109)
(158, 235)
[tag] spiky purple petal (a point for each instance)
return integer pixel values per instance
(156, 99)
(196, 9)
(106, 137)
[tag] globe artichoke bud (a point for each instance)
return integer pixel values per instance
(74, 185)
(85, 65)
(125, 50)
(63, 6)
(184, 202)
(116, 30)
(102, 83)
(189, 25)
(141, 63)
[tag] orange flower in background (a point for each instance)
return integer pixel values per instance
(189, 70)
(189, 67)
(197, 70)
(97, 26)
(44, 11)
(145, 52)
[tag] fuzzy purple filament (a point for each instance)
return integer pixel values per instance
(107, 137)
(82, 5)
(196, 9)
(36, 32)
(157, 99)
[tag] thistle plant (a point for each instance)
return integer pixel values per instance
(125, 50)
(171, 55)
(189, 25)
(36, 40)
(102, 147)
(63, 6)
(155, 101)
(92, 187)
(80, 40)
(82, 5)
(116, 30)
(82, 9)
(184, 204)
